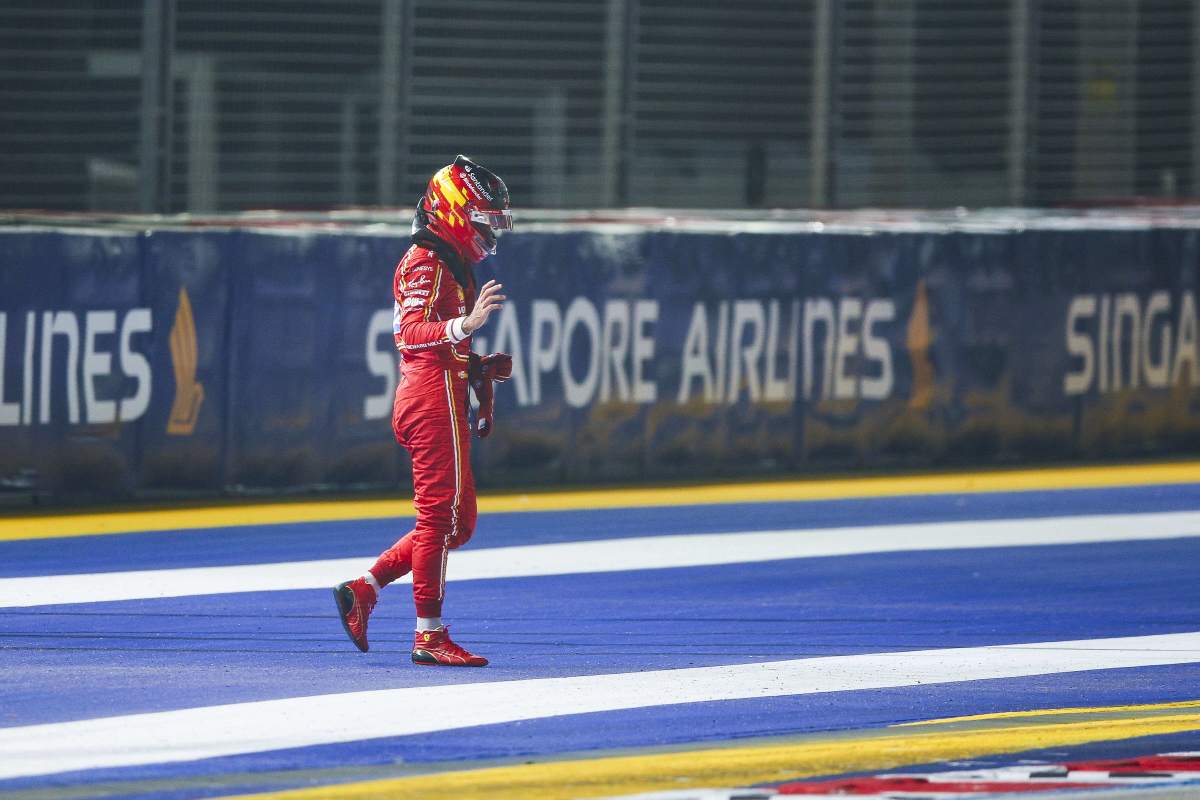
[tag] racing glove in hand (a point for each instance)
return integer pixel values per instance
(481, 372)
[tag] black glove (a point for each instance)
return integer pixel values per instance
(481, 372)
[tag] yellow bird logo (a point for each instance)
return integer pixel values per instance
(188, 394)
(920, 337)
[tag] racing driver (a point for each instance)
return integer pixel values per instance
(436, 312)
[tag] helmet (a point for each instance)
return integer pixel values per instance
(464, 205)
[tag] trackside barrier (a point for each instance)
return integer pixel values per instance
(162, 359)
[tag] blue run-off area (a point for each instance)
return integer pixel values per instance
(86, 661)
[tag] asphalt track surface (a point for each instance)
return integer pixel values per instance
(636, 637)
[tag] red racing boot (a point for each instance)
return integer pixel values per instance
(434, 648)
(355, 599)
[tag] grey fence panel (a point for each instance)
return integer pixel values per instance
(598, 103)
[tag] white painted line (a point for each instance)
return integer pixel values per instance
(108, 586)
(263, 726)
(610, 555)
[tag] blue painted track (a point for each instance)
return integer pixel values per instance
(315, 540)
(96, 660)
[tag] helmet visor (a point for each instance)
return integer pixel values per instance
(501, 220)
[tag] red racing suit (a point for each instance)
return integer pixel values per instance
(430, 421)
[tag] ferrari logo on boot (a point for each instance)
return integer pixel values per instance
(435, 649)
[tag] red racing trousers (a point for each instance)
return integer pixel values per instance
(430, 420)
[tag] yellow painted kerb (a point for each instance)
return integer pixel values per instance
(738, 767)
(33, 527)
(1057, 712)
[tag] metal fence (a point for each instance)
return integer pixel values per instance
(215, 105)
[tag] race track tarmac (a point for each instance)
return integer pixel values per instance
(210, 661)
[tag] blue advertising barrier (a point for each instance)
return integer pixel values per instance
(197, 359)
(75, 368)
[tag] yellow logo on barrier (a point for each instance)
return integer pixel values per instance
(920, 337)
(188, 394)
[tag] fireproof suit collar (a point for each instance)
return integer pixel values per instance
(459, 268)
